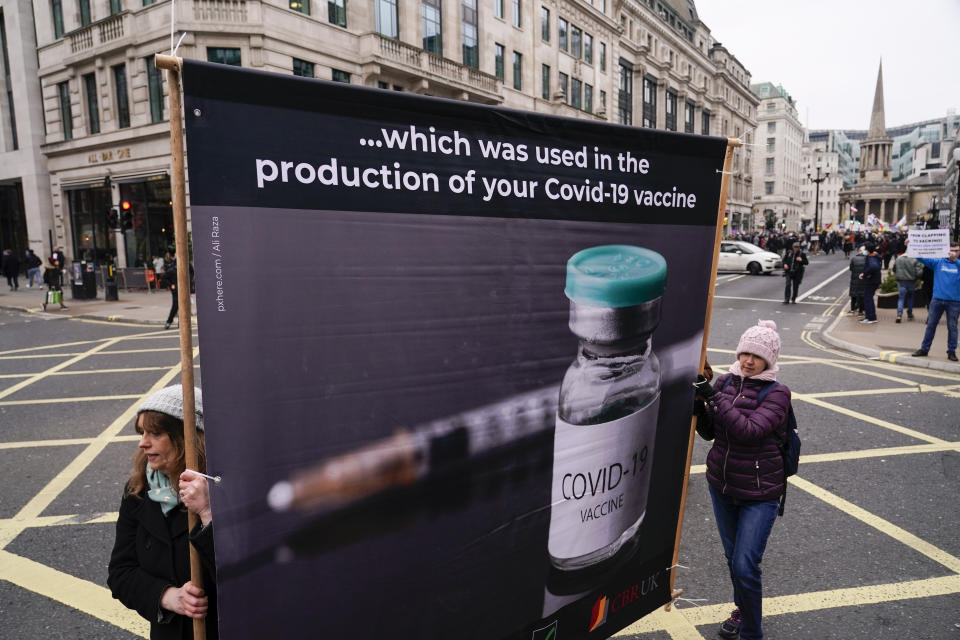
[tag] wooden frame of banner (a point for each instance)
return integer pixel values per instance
(732, 144)
(173, 65)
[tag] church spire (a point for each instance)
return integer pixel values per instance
(878, 128)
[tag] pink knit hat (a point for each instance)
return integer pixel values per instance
(761, 340)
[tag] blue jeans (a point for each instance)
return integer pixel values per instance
(934, 313)
(869, 304)
(906, 290)
(744, 527)
(33, 273)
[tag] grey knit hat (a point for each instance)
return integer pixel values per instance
(169, 401)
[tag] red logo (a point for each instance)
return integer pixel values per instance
(599, 614)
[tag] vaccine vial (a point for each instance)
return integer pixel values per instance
(609, 401)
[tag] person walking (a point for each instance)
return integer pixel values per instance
(170, 280)
(907, 270)
(10, 266)
(149, 568)
(946, 298)
(871, 280)
(53, 278)
(33, 269)
(794, 263)
(857, 263)
(745, 469)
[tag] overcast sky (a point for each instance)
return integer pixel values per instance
(826, 54)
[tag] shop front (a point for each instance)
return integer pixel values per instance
(89, 206)
(147, 205)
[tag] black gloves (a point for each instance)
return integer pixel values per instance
(704, 390)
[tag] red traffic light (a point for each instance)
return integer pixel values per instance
(125, 205)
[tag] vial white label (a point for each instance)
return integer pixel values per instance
(601, 479)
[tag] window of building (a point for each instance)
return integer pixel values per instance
(385, 14)
(303, 68)
(337, 12)
(56, 7)
(588, 48)
(588, 98)
(13, 143)
(771, 144)
(704, 123)
(498, 9)
(771, 127)
(116, 6)
(147, 3)
(768, 188)
(625, 97)
(576, 91)
(66, 114)
(84, 13)
(770, 165)
(432, 26)
(469, 34)
(516, 13)
(123, 100)
(603, 100)
(562, 33)
(576, 42)
(564, 88)
(517, 71)
(303, 6)
(155, 90)
(688, 108)
(498, 53)
(545, 24)
(603, 56)
(771, 106)
(340, 76)
(649, 102)
(93, 109)
(671, 111)
(545, 82)
(224, 55)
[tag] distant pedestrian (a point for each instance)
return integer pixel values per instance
(170, 280)
(53, 278)
(907, 271)
(857, 263)
(794, 263)
(33, 268)
(871, 280)
(10, 265)
(946, 298)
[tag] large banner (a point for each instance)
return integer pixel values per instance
(446, 352)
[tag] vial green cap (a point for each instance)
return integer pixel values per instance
(615, 276)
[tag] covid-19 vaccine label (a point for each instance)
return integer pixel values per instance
(601, 479)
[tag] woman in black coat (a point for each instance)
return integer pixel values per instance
(149, 568)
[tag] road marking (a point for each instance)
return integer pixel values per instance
(66, 442)
(802, 297)
(74, 592)
(675, 622)
(40, 355)
(867, 418)
(12, 403)
(883, 526)
(132, 336)
(63, 365)
(824, 304)
(947, 390)
(87, 372)
(57, 521)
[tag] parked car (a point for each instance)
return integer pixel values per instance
(736, 255)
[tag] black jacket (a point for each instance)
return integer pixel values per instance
(871, 271)
(794, 266)
(150, 554)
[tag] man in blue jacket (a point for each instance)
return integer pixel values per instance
(946, 297)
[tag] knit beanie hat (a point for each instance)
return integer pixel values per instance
(761, 340)
(169, 400)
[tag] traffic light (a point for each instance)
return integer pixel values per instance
(127, 215)
(113, 218)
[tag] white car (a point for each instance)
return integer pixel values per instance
(736, 255)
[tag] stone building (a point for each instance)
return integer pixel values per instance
(826, 199)
(104, 131)
(777, 173)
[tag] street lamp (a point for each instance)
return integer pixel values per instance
(817, 181)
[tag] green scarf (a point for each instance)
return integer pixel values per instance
(160, 490)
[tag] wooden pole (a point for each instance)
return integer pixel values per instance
(172, 65)
(732, 144)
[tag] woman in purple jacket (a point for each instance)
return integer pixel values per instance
(745, 467)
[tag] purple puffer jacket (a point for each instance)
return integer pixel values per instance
(745, 462)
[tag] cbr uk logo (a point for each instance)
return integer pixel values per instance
(599, 613)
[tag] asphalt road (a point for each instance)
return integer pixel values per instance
(868, 547)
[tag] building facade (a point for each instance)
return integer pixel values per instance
(825, 200)
(648, 63)
(778, 171)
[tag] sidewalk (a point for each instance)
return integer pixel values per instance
(889, 341)
(137, 306)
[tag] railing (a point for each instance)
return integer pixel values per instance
(107, 30)
(447, 69)
(220, 10)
